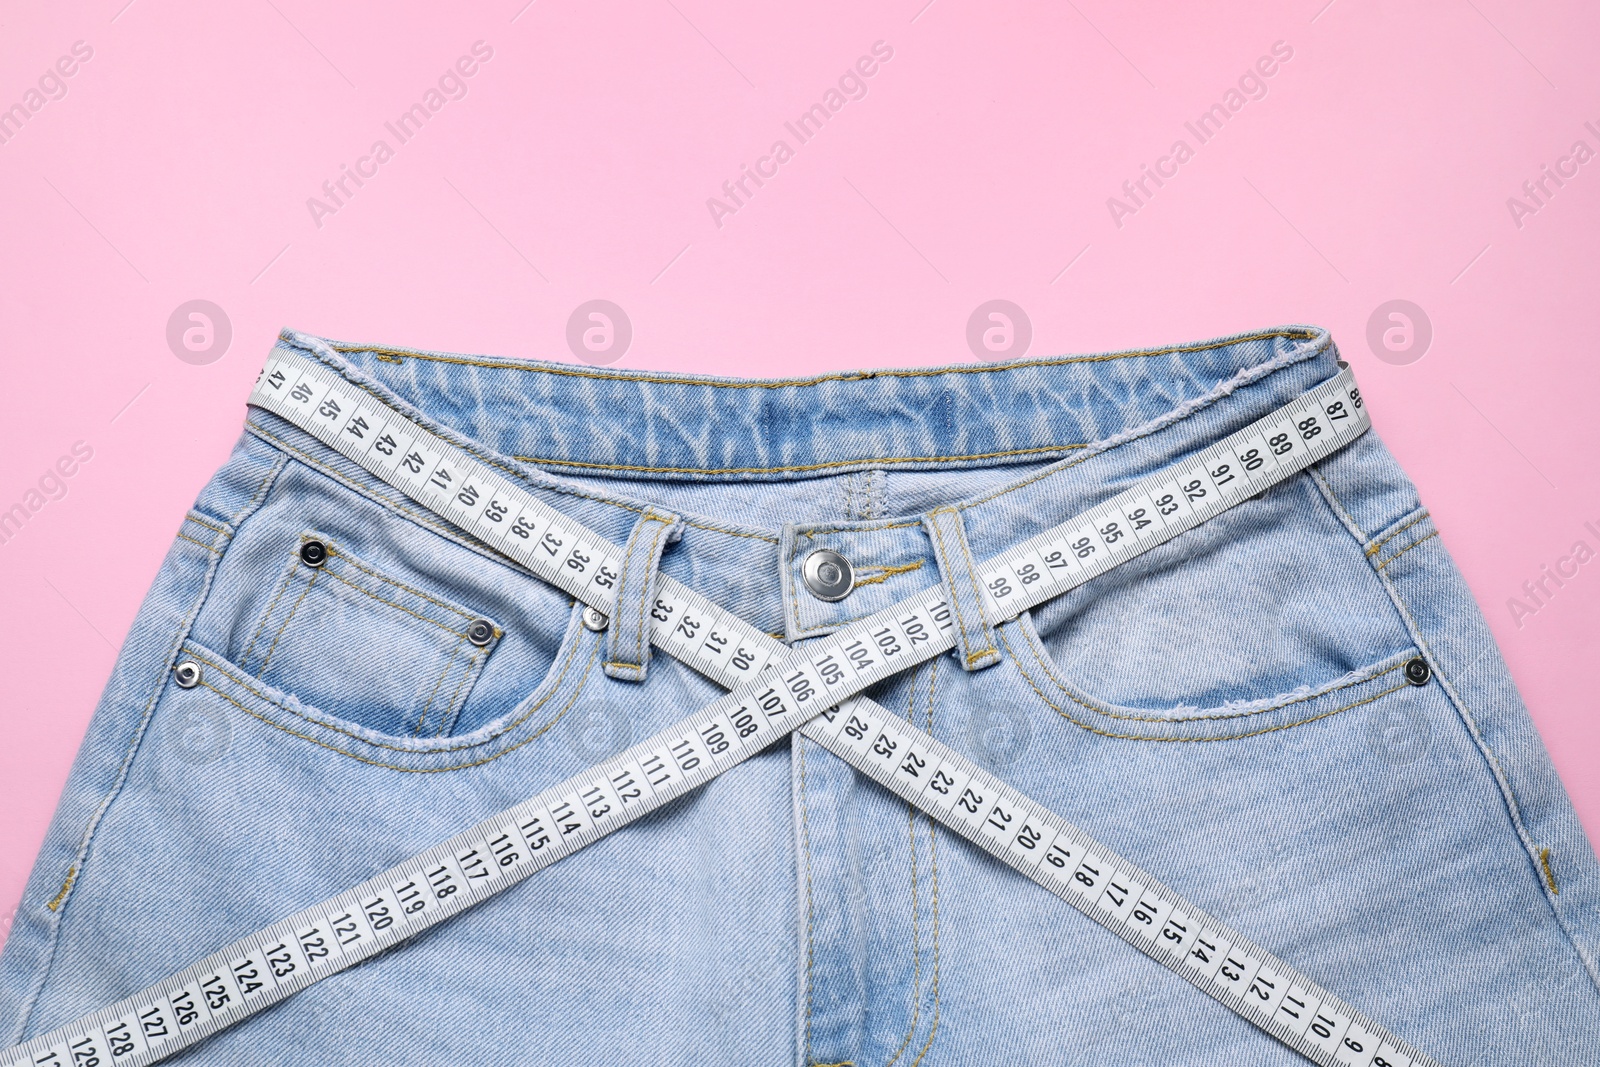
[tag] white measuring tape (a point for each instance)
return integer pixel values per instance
(814, 687)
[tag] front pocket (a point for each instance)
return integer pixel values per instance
(1232, 720)
(342, 636)
(1266, 616)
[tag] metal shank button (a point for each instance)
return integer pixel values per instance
(828, 575)
(594, 619)
(187, 674)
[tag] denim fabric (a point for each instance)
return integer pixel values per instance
(1229, 711)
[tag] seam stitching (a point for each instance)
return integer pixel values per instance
(267, 659)
(1408, 548)
(283, 585)
(434, 692)
(555, 687)
(883, 574)
(545, 461)
(386, 580)
(1154, 426)
(949, 583)
(916, 921)
(613, 641)
(811, 905)
(646, 587)
(406, 353)
(196, 518)
(577, 690)
(209, 548)
(933, 859)
(1195, 740)
(384, 600)
(1508, 795)
(452, 711)
(31, 998)
(1041, 656)
(1373, 551)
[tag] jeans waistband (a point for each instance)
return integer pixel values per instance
(1022, 446)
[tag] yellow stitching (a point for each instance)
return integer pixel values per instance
(452, 712)
(1331, 498)
(933, 859)
(72, 876)
(1373, 551)
(195, 518)
(730, 532)
(396, 748)
(1041, 656)
(811, 907)
(916, 942)
(622, 579)
(1228, 737)
(1461, 708)
(435, 691)
(554, 688)
(794, 587)
(489, 460)
(641, 621)
(288, 579)
(414, 770)
(977, 592)
(202, 544)
(916, 922)
(1549, 875)
(971, 575)
(262, 489)
(400, 354)
(1406, 549)
(857, 527)
(397, 504)
(392, 604)
(944, 555)
(1053, 470)
(801, 468)
(392, 503)
(1065, 465)
(385, 579)
(883, 574)
(279, 635)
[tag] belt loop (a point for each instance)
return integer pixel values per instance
(628, 636)
(976, 647)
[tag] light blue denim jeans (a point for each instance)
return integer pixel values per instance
(1229, 711)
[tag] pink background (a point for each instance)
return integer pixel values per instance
(977, 166)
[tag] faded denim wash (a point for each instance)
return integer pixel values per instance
(1228, 711)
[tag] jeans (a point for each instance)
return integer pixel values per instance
(1230, 711)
